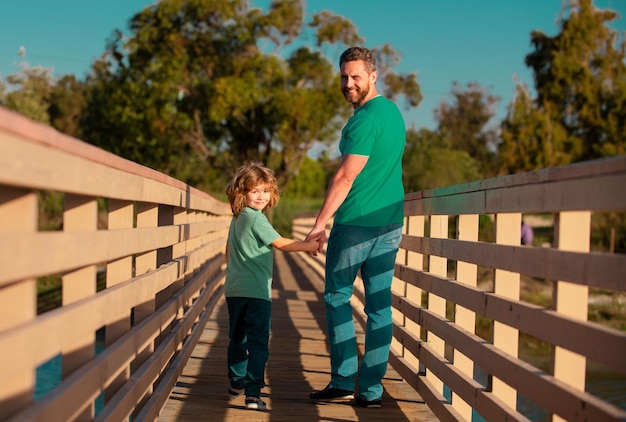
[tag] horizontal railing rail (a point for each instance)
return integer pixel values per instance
(449, 281)
(136, 261)
(130, 263)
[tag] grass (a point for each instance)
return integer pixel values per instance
(50, 291)
(288, 208)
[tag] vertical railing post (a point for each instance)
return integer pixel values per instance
(398, 288)
(147, 216)
(121, 215)
(80, 215)
(437, 265)
(413, 293)
(572, 233)
(18, 301)
(506, 284)
(466, 273)
(180, 248)
(192, 217)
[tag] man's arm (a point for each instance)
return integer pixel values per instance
(340, 185)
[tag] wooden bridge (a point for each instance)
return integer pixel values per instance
(298, 364)
(139, 330)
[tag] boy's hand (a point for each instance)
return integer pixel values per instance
(320, 236)
(316, 241)
(312, 245)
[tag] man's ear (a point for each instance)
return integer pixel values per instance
(374, 76)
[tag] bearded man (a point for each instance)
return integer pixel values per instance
(366, 198)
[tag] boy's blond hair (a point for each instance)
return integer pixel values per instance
(247, 177)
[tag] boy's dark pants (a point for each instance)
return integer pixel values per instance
(248, 350)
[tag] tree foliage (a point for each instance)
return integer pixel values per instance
(67, 102)
(199, 84)
(530, 139)
(464, 123)
(430, 161)
(580, 110)
(30, 92)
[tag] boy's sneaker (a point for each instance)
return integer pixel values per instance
(235, 392)
(329, 394)
(255, 403)
(371, 404)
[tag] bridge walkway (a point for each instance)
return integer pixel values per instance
(298, 364)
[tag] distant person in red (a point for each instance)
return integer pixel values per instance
(527, 234)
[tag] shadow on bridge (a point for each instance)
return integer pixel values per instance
(298, 364)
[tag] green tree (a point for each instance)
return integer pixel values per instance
(464, 123)
(530, 139)
(309, 182)
(122, 117)
(430, 161)
(200, 87)
(29, 92)
(67, 102)
(33, 92)
(580, 110)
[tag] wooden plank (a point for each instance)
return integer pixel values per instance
(466, 273)
(108, 306)
(595, 194)
(584, 170)
(42, 253)
(18, 302)
(298, 364)
(601, 270)
(506, 285)
(62, 163)
(528, 380)
(549, 326)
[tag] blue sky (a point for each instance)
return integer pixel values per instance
(442, 41)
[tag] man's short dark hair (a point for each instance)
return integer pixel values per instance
(359, 53)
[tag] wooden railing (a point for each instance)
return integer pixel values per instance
(138, 261)
(450, 282)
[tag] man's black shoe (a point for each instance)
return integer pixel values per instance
(329, 394)
(371, 404)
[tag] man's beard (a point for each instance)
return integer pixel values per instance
(360, 95)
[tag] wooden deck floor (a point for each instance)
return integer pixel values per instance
(298, 364)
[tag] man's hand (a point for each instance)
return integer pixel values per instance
(320, 236)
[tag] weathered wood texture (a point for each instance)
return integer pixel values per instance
(298, 364)
(158, 245)
(442, 224)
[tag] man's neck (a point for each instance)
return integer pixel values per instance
(365, 100)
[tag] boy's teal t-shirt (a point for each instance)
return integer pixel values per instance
(376, 130)
(250, 256)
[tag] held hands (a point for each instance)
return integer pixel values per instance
(312, 245)
(319, 237)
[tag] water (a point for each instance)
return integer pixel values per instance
(609, 388)
(49, 374)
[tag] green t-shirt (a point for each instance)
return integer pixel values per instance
(250, 256)
(376, 130)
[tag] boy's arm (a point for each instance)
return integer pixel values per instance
(291, 245)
